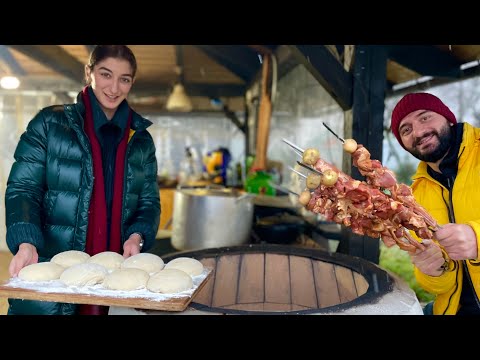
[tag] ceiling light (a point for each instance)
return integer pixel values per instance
(179, 100)
(9, 82)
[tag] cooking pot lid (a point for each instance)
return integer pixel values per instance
(226, 192)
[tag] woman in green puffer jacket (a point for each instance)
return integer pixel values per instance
(84, 178)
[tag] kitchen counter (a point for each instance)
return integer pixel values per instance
(274, 201)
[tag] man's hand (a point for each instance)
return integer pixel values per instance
(430, 260)
(458, 240)
(132, 245)
(26, 255)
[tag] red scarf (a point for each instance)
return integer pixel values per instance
(97, 217)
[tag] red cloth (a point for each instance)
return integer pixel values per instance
(84, 309)
(97, 215)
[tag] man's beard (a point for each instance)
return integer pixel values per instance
(444, 138)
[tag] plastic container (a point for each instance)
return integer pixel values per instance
(258, 182)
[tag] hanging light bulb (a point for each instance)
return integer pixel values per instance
(179, 100)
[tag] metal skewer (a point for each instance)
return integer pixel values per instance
(309, 168)
(298, 150)
(299, 173)
(338, 137)
(281, 188)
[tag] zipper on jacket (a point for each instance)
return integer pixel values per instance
(451, 217)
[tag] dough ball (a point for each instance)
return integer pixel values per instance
(126, 279)
(85, 274)
(191, 266)
(43, 271)
(170, 281)
(111, 260)
(70, 258)
(150, 263)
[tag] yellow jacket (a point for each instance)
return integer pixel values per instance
(466, 204)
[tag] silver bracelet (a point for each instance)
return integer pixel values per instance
(141, 239)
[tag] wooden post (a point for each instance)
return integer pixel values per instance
(264, 115)
(369, 83)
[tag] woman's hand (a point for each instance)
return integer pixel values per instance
(26, 255)
(132, 245)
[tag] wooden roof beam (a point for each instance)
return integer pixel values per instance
(286, 61)
(436, 81)
(13, 65)
(207, 90)
(263, 49)
(55, 58)
(426, 60)
(90, 48)
(328, 71)
(240, 60)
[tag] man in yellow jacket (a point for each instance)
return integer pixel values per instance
(447, 184)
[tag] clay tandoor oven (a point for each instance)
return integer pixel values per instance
(282, 279)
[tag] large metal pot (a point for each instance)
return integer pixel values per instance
(206, 218)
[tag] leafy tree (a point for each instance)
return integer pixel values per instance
(404, 172)
(398, 261)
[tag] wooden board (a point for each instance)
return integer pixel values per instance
(166, 304)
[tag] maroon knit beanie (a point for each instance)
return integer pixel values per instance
(418, 101)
